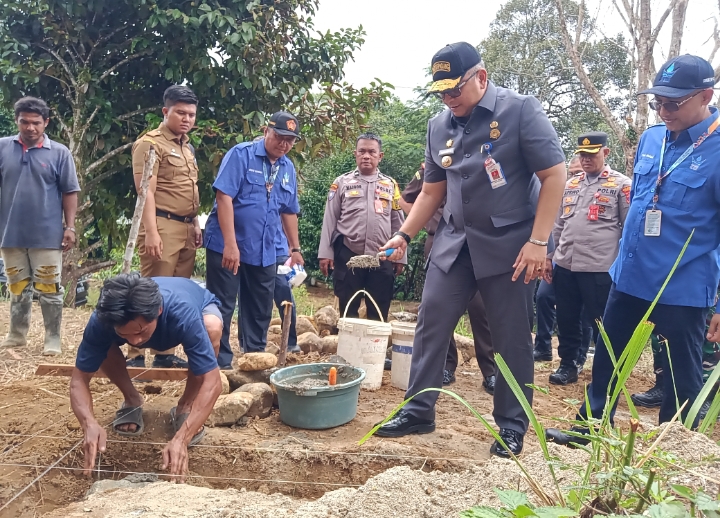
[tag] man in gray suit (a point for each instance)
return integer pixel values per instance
(497, 158)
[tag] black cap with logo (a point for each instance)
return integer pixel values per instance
(284, 123)
(591, 142)
(682, 76)
(450, 64)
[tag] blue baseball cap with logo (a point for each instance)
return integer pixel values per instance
(682, 76)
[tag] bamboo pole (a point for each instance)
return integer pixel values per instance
(287, 318)
(139, 207)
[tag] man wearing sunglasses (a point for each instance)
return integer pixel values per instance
(256, 193)
(497, 158)
(675, 192)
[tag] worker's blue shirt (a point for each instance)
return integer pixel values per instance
(689, 198)
(257, 218)
(181, 322)
(281, 245)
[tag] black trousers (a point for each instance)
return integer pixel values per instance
(481, 337)
(253, 286)
(378, 282)
(682, 326)
(575, 293)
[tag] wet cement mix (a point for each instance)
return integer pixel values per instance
(263, 467)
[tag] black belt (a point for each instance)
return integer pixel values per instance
(167, 215)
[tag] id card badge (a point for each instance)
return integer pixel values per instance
(593, 212)
(653, 218)
(378, 207)
(495, 173)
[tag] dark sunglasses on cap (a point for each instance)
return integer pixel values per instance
(670, 106)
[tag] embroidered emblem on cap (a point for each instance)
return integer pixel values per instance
(586, 142)
(291, 125)
(668, 73)
(438, 66)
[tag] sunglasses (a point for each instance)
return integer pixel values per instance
(453, 92)
(670, 106)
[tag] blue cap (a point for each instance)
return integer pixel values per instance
(682, 76)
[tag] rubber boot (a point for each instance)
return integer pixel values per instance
(52, 318)
(20, 311)
(653, 397)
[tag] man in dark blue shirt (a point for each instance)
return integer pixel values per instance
(157, 312)
(675, 192)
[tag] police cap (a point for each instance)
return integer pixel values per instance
(591, 142)
(450, 63)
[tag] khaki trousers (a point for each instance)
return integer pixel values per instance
(178, 259)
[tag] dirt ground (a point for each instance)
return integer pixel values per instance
(38, 429)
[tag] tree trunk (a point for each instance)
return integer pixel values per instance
(678, 24)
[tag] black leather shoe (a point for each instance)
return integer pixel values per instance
(650, 399)
(565, 439)
(704, 410)
(542, 356)
(169, 361)
(388, 364)
(138, 361)
(514, 441)
(448, 377)
(489, 384)
(404, 424)
(564, 375)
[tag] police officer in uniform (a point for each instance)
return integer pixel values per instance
(476, 308)
(361, 213)
(170, 232)
(497, 158)
(587, 234)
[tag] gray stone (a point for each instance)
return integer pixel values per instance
(466, 346)
(240, 378)
(330, 344)
(310, 342)
(272, 348)
(228, 409)
(326, 319)
(134, 481)
(405, 316)
(303, 325)
(225, 383)
(256, 361)
(262, 399)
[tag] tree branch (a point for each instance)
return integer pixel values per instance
(124, 62)
(60, 60)
(661, 22)
(102, 176)
(88, 122)
(100, 161)
(130, 115)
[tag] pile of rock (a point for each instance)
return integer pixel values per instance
(246, 391)
(316, 333)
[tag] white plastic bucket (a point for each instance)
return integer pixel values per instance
(363, 344)
(403, 334)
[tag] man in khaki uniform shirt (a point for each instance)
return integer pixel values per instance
(587, 235)
(170, 232)
(361, 213)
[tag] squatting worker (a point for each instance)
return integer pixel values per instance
(481, 154)
(157, 312)
(256, 197)
(475, 309)
(675, 191)
(38, 189)
(361, 213)
(170, 231)
(587, 237)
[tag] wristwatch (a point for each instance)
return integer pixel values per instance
(71, 229)
(298, 250)
(403, 235)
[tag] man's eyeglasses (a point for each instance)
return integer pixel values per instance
(670, 106)
(453, 92)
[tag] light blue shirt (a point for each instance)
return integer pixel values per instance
(257, 219)
(689, 199)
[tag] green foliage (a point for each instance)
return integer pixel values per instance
(516, 504)
(525, 52)
(103, 66)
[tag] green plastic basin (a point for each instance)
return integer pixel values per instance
(317, 406)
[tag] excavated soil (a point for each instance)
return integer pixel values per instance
(308, 473)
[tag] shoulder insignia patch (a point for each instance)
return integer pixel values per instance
(333, 190)
(148, 139)
(626, 192)
(396, 197)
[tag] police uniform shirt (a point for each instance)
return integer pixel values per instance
(175, 168)
(257, 215)
(351, 211)
(410, 195)
(496, 223)
(589, 224)
(689, 200)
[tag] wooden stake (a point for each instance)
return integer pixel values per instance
(287, 311)
(139, 207)
(45, 369)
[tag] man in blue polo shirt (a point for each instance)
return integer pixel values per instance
(676, 189)
(160, 313)
(255, 193)
(38, 189)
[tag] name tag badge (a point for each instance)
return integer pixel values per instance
(495, 173)
(378, 207)
(653, 218)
